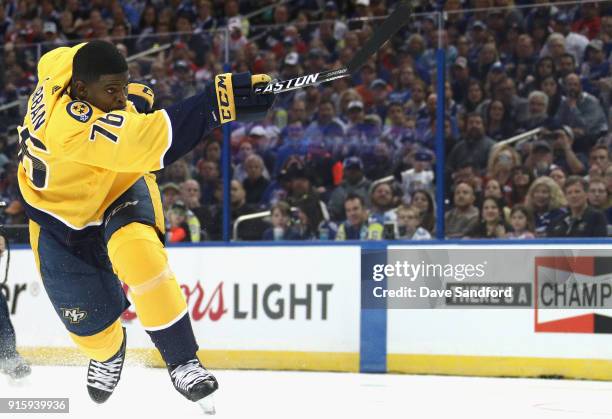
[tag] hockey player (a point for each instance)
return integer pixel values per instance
(96, 215)
(11, 362)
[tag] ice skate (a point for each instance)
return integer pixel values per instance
(15, 366)
(194, 382)
(103, 377)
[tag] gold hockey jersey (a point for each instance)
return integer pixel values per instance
(75, 159)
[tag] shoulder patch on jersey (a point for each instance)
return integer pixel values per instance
(79, 110)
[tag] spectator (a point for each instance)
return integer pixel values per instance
(416, 104)
(238, 40)
(178, 229)
(491, 224)
(495, 76)
(368, 75)
(567, 65)
(377, 160)
(293, 144)
(358, 131)
(402, 90)
(170, 193)
(581, 220)
(463, 217)
(52, 39)
(589, 22)
(420, 176)
(183, 84)
(255, 183)
(487, 56)
(380, 98)
(493, 189)
(575, 43)
(502, 160)
(589, 110)
(521, 180)
(423, 201)
(466, 173)
(382, 202)
(264, 140)
(555, 47)
(353, 183)
(524, 57)
(207, 176)
(356, 225)
(521, 222)
(460, 79)
(538, 110)
(558, 175)
(326, 128)
(245, 149)
(177, 172)
(397, 129)
(597, 195)
(515, 107)
(498, 126)
(281, 229)
(205, 20)
(192, 197)
(475, 96)
(146, 28)
(248, 230)
(599, 161)
(550, 86)
(475, 145)
(303, 196)
(561, 138)
(306, 227)
(546, 202)
(212, 151)
(409, 221)
(540, 158)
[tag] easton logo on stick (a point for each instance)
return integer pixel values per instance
(287, 84)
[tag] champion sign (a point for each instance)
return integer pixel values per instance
(573, 294)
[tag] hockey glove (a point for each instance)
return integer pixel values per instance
(236, 99)
(141, 96)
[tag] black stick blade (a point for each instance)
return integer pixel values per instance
(382, 34)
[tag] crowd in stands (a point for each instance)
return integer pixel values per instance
(354, 159)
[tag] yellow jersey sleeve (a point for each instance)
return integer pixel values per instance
(120, 141)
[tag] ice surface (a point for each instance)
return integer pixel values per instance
(148, 393)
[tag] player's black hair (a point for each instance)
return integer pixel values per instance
(95, 59)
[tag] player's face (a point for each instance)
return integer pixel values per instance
(109, 93)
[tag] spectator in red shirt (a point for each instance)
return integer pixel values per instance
(589, 23)
(368, 75)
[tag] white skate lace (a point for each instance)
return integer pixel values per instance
(104, 375)
(187, 375)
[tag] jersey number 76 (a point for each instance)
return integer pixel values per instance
(39, 173)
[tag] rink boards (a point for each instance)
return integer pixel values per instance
(301, 308)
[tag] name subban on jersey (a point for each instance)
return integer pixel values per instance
(37, 108)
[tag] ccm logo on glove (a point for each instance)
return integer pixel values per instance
(236, 99)
(227, 110)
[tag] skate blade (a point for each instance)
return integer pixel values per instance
(208, 405)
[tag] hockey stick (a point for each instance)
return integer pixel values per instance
(389, 27)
